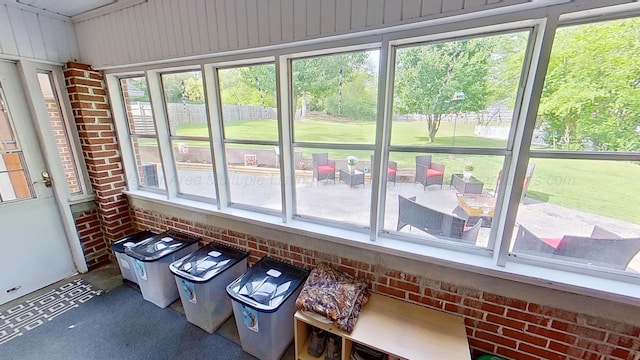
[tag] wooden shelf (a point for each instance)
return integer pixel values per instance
(395, 327)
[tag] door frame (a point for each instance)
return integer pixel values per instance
(28, 73)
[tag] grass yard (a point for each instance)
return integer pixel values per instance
(599, 187)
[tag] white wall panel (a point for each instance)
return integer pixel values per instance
(232, 27)
(20, 33)
(343, 16)
(392, 11)
(313, 17)
(252, 22)
(35, 35)
(241, 23)
(165, 29)
(327, 16)
(300, 19)
(411, 9)
(375, 12)
(48, 38)
(275, 21)
(431, 7)
(286, 7)
(7, 41)
(358, 14)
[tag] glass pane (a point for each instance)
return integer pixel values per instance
(14, 183)
(336, 98)
(458, 93)
(148, 161)
(590, 98)
(451, 197)
(579, 211)
(328, 187)
(60, 129)
(136, 101)
(195, 168)
(249, 102)
(254, 178)
(7, 138)
(184, 97)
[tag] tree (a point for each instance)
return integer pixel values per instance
(591, 93)
(427, 77)
(319, 76)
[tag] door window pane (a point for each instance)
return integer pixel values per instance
(458, 93)
(184, 98)
(14, 184)
(581, 211)
(194, 168)
(148, 161)
(254, 178)
(335, 97)
(248, 96)
(328, 187)
(590, 100)
(445, 196)
(7, 138)
(60, 127)
(138, 108)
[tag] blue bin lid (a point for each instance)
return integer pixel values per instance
(205, 263)
(160, 245)
(131, 240)
(267, 284)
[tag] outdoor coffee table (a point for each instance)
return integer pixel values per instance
(352, 178)
(471, 186)
(473, 207)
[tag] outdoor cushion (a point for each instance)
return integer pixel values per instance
(553, 242)
(325, 168)
(432, 172)
(391, 171)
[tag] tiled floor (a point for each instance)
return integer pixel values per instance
(108, 277)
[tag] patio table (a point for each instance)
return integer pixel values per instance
(464, 186)
(352, 178)
(473, 207)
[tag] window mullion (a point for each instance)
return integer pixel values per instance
(214, 109)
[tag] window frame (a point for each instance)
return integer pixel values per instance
(497, 262)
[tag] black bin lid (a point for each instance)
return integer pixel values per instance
(205, 263)
(160, 245)
(267, 284)
(131, 240)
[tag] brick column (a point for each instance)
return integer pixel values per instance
(97, 133)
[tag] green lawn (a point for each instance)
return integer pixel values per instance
(599, 187)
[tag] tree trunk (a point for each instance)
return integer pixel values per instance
(303, 114)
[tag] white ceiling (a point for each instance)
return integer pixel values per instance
(67, 8)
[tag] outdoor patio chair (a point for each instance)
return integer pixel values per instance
(434, 222)
(428, 172)
(323, 168)
(525, 183)
(392, 169)
(607, 249)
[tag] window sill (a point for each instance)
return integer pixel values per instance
(579, 283)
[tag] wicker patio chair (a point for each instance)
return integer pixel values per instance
(428, 172)
(323, 168)
(427, 219)
(392, 169)
(525, 183)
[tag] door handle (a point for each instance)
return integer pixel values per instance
(46, 179)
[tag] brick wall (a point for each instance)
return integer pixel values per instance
(92, 238)
(511, 327)
(100, 149)
(62, 143)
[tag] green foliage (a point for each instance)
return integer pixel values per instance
(358, 98)
(428, 76)
(239, 86)
(183, 86)
(589, 94)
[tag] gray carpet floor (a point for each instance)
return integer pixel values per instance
(120, 324)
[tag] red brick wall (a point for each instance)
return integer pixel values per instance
(92, 238)
(58, 127)
(97, 134)
(513, 328)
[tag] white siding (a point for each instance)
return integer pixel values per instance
(165, 29)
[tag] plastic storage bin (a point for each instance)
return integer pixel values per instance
(202, 278)
(151, 261)
(264, 300)
(125, 261)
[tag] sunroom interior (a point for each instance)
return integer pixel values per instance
(473, 157)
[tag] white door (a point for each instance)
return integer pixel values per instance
(34, 251)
